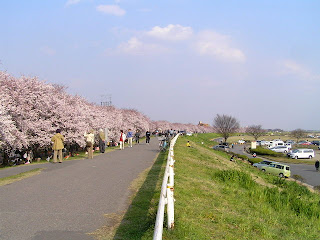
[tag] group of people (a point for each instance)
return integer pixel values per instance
(58, 142)
(129, 137)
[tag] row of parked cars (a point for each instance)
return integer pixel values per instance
(295, 153)
(274, 168)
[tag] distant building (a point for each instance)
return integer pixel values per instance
(203, 124)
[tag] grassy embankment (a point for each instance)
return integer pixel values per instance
(219, 199)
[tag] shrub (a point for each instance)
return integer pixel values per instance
(255, 160)
(244, 157)
(264, 151)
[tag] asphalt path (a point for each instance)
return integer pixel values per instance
(68, 200)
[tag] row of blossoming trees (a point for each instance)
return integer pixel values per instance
(31, 111)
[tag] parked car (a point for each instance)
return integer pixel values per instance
(289, 145)
(302, 153)
(280, 149)
(275, 143)
(241, 141)
(277, 169)
(304, 143)
(291, 142)
(262, 164)
(317, 143)
(221, 147)
(262, 143)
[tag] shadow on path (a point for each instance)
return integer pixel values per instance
(140, 217)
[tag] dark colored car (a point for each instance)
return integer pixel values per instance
(317, 143)
(221, 147)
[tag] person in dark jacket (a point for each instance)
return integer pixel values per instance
(102, 141)
(148, 134)
(317, 165)
(137, 136)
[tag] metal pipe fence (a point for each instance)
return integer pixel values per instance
(166, 195)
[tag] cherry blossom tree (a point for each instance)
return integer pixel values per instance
(31, 111)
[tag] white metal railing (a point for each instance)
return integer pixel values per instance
(166, 195)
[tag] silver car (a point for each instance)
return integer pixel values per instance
(262, 164)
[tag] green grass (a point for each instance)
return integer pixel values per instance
(219, 199)
(20, 176)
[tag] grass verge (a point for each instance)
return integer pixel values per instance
(20, 176)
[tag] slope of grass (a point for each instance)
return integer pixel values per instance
(220, 199)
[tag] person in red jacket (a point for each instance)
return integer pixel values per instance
(122, 139)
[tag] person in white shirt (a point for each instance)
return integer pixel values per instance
(90, 141)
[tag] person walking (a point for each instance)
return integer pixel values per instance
(102, 141)
(122, 139)
(90, 141)
(317, 165)
(148, 134)
(57, 147)
(130, 136)
(137, 136)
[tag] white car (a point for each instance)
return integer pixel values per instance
(241, 141)
(280, 149)
(302, 153)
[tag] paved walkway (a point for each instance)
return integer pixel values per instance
(68, 200)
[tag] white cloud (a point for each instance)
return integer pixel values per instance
(72, 2)
(171, 32)
(48, 51)
(111, 9)
(180, 39)
(218, 46)
(290, 67)
(136, 47)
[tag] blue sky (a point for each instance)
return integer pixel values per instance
(175, 60)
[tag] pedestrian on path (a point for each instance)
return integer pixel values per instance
(57, 147)
(122, 139)
(317, 165)
(137, 136)
(90, 141)
(102, 141)
(148, 137)
(130, 136)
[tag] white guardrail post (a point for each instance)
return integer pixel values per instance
(166, 195)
